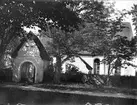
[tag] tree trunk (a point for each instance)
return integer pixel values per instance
(108, 76)
(1, 54)
(58, 68)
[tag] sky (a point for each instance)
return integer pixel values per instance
(125, 4)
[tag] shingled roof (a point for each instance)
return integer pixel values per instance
(127, 30)
(43, 53)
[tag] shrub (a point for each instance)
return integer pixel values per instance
(48, 74)
(6, 75)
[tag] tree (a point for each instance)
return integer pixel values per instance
(64, 45)
(71, 43)
(61, 21)
(99, 37)
(133, 12)
(16, 14)
(102, 34)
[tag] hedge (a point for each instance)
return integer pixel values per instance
(5, 75)
(116, 81)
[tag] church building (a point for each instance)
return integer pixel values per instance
(95, 61)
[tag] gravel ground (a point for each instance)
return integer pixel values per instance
(80, 89)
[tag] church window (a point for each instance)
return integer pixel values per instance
(96, 66)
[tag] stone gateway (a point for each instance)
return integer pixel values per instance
(30, 61)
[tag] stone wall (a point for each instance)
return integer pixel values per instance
(29, 53)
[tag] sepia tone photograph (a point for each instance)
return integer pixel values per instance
(68, 52)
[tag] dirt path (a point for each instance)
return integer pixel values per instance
(70, 91)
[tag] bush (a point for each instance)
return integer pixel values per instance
(72, 76)
(124, 81)
(6, 75)
(48, 74)
(116, 81)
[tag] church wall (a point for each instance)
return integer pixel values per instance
(130, 70)
(77, 62)
(126, 71)
(82, 67)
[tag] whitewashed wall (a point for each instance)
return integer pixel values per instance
(82, 66)
(127, 70)
(130, 70)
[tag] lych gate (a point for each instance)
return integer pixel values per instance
(30, 60)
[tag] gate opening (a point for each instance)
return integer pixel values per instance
(27, 72)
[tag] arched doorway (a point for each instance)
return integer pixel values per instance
(96, 66)
(27, 72)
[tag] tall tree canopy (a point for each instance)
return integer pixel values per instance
(134, 16)
(61, 20)
(15, 14)
(101, 34)
(48, 15)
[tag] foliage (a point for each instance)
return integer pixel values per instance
(56, 16)
(61, 20)
(89, 38)
(95, 17)
(124, 81)
(16, 14)
(133, 12)
(121, 50)
(102, 37)
(101, 33)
